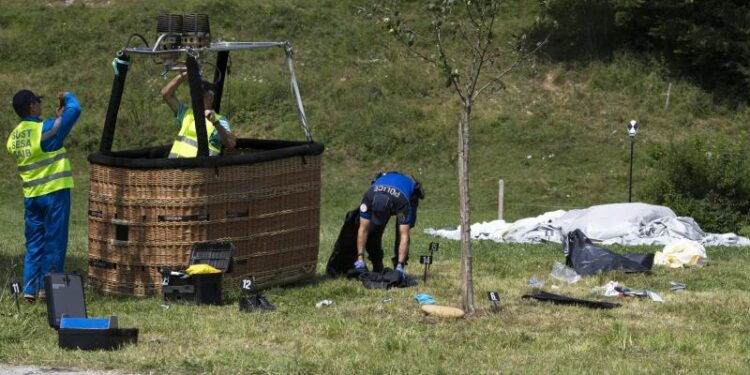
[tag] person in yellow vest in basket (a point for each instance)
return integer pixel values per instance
(37, 146)
(217, 126)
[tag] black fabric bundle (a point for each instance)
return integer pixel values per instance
(587, 259)
(386, 279)
(565, 300)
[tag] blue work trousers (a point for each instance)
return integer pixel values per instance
(46, 229)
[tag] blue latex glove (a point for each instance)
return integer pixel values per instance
(400, 269)
(424, 299)
(360, 265)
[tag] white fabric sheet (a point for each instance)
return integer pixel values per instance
(619, 223)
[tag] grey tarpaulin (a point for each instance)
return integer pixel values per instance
(619, 223)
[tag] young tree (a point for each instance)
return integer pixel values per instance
(460, 39)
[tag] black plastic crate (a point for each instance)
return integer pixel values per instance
(205, 288)
(96, 339)
(197, 289)
(217, 254)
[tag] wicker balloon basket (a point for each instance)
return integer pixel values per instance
(146, 212)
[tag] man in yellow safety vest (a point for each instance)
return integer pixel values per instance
(217, 126)
(44, 167)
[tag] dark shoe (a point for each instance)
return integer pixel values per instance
(42, 297)
(264, 304)
(29, 298)
(255, 302)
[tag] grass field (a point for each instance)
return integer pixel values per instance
(556, 135)
(701, 330)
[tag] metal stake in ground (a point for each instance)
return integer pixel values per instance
(494, 298)
(434, 246)
(426, 260)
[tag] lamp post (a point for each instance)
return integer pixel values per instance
(632, 131)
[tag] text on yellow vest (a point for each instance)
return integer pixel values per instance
(42, 172)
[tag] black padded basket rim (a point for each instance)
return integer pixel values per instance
(155, 157)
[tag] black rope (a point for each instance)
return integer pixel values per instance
(127, 44)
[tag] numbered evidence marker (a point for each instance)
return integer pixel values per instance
(434, 246)
(494, 298)
(426, 260)
(247, 284)
(15, 289)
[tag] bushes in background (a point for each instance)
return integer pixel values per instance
(707, 41)
(705, 180)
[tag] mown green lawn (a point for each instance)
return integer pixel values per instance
(704, 329)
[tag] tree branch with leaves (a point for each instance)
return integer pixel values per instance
(459, 38)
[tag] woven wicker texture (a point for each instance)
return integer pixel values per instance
(144, 220)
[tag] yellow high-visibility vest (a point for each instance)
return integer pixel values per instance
(42, 172)
(186, 143)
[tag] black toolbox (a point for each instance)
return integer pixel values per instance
(96, 339)
(203, 289)
(64, 293)
(65, 298)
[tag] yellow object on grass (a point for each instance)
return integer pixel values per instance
(201, 269)
(682, 253)
(442, 311)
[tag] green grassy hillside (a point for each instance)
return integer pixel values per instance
(556, 135)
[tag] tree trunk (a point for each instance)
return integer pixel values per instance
(467, 282)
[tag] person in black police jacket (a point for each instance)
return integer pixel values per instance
(391, 194)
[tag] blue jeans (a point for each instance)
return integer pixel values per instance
(46, 229)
